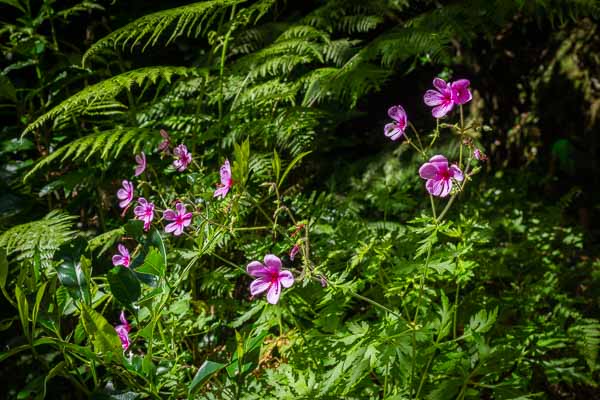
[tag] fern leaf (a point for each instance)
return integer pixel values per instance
(41, 238)
(100, 98)
(187, 20)
(107, 143)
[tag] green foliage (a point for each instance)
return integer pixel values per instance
(393, 298)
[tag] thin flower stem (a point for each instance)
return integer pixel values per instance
(455, 310)
(418, 137)
(432, 206)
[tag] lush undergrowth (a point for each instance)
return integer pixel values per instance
(266, 199)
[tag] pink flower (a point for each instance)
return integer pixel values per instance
(125, 194)
(180, 219)
(479, 155)
(440, 99)
(460, 91)
(164, 145)
(395, 130)
(270, 278)
(294, 252)
(122, 259)
(144, 212)
(140, 159)
(183, 157)
(439, 176)
(123, 331)
(226, 181)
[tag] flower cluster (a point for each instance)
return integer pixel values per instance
(439, 175)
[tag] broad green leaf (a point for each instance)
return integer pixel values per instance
(205, 372)
(103, 335)
(291, 165)
(74, 271)
(124, 285)
(153, 263)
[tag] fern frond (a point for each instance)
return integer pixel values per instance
(108, 144)
(39, 238)
(189, 20)
(99, 99)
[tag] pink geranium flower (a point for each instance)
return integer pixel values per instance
(395, 130)
(125, 194)
(439, 176)
(123, 331)
(144, 211)
(123, 259)
(294, 251)
(166, 143)
(180, 219)
(269, 277)
(140, 159)
(183, 157)
(226, 181)
(460, 91)
(440, 99)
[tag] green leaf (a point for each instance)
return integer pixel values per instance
(153, 263)
(135, 228)
(23, 307)
(205, 372)
(124, 285)
(295, 161)
(36, 307)
(14, 3)
(276, 165)
(3, 268)
(73, 271)
(241, 165)
(482, 321)
(155, 240)
(103, 335)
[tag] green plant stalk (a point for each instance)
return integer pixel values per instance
(222, 63)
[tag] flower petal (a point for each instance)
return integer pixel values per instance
(397, 113)
(392, 131)
(256, 268)
(118, 260)
(180, 208)
(172, 227)
(440, 84)
(225, 172)
(170, 215)
(428, 171)
(456, 173)
(273, 262)
(123, 250)
(441, 110)
(286, 278)
(258, 286)
(433, 98)
(274, 293)
(460, 91)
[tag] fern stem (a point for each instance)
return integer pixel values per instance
(222, 63)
